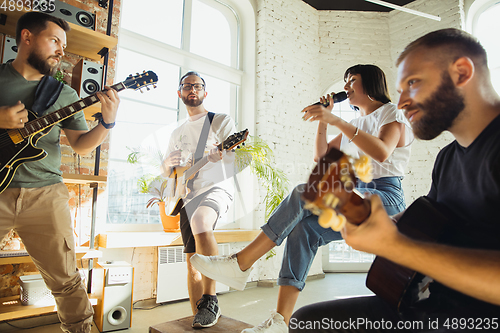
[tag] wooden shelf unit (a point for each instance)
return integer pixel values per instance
(81, 41)
(11, 308)
(81, 253)
(70, 178)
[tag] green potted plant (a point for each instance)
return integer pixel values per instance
(154, 185)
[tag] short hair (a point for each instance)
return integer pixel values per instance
(36, 22)
(189, 74)
(453, 44)
(373, 81)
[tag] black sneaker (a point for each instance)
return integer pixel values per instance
(208, 312)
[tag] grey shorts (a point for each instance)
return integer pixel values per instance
(216, 198)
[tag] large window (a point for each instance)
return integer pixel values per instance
(484, 24)
(170, 38)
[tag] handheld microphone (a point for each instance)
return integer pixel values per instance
(339, 97)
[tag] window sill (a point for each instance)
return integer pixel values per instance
(144, 239)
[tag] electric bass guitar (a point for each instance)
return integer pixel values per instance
(18, 146)
(177, 185)
(331, 194)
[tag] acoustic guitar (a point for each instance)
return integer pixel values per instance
(18, 146)
(331, 194)
(177, 185)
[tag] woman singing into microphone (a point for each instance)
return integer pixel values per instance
(381, 132)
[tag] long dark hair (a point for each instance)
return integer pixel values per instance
(373, 81)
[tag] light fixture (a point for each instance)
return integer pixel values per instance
(404, 9)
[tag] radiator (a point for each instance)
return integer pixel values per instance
(172, 273)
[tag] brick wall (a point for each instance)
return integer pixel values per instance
(301, 52)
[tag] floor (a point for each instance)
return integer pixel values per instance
(252, 305)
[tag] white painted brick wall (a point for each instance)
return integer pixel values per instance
(301, 52)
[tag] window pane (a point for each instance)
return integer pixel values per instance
(149, 132)
(210, 33)
(219, 95)
(487, 24)
(165, 94)
(157, 19)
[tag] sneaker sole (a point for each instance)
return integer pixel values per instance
(198, 325)
(234, 283)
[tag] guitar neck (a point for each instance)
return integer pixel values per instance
(44, 122)
(198, 165)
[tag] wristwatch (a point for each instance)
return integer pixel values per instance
(106, 125)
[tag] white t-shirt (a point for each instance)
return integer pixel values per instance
(396, 163)
(186, 137)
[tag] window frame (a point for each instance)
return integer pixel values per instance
(241, 73)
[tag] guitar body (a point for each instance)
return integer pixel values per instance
(424, 220)
(176, 190)
(14, 155)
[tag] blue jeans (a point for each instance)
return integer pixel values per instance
(290, 220)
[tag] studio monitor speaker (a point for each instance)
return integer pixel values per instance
(69, 13)
(113, 286)
(9, 51)
(87, 78)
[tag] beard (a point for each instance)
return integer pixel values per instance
(439, 111)
(40, 64)
(192, 102)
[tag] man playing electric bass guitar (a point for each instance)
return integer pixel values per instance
(444, 84)
(210, 194)
(35, 203)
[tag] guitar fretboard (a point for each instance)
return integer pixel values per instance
(40, 124)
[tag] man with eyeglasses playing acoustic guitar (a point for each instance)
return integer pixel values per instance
(453, 238)
(34, 200)
(196, 157)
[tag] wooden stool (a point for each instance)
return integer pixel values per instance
(225, 324)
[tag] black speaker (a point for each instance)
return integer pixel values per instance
(87, 78)
(69, 13)
(9, 51)
(113, 285)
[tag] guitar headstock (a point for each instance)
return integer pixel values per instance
(234, 140)
(331, 190)
(139, 81)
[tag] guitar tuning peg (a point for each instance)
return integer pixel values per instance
(129, 76)
(142, 92)
(154, 86)
(363, 168)
(147, 88)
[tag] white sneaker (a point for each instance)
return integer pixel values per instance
(275, 324)
(224, 269)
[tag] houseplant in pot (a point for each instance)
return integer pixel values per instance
(155, 186)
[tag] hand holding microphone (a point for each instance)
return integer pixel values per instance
(338, 97)
(321, 110)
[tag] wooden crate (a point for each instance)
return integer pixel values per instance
(225, 324)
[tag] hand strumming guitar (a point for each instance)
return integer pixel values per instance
(172, 160)
(14, 116)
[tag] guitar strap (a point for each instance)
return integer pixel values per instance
(46, 94)
(200, 149)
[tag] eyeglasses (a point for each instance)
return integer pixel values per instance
(189, 86)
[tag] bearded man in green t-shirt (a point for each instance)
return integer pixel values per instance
(35, 203)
